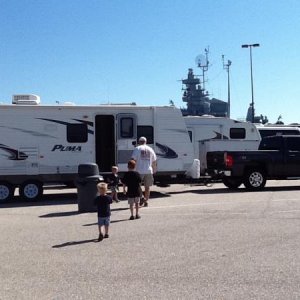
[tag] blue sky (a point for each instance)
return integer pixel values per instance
(96, 51)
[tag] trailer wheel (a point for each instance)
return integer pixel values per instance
(31, 190)
(231, 182)
(255, 179)
(6, 191)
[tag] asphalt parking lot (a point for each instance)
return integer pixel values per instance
(192, 242)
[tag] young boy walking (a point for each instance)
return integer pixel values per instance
(103, 202)
(132, 181)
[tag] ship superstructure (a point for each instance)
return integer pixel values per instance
(198, 101)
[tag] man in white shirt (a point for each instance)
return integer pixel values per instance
(145, 158)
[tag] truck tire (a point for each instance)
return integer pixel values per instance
(31, 190)
(6, 191)
(255, 179)
(232, 183)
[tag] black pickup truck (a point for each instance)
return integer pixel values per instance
(278, 157)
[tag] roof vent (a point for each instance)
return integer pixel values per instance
(26, 99)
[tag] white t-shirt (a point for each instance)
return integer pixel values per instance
(144, 157)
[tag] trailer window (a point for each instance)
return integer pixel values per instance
(147, 132)
(237, 133)
(126, 128)
(77, 133)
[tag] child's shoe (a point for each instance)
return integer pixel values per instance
(142, 200)
(106, 236)
(131, 218)
(100, 238)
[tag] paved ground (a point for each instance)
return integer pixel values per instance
(191, 243)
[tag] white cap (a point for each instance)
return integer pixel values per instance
(142, 139)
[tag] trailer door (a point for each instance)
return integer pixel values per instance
(126, 138)
(105, 142)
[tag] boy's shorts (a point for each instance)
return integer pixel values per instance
(147, 179)
(103, 221)
(133, 200)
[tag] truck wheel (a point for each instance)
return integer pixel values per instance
(6, 191)
(255, 179)
(31, 190)
(231, 182)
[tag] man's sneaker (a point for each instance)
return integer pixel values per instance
(137, 216)
(146, 204)
(106, 236)
(100, 238)
(131, 218)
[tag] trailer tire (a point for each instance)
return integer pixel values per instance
(6, 191)
(31, 190)
(255, 179)
(232, 183)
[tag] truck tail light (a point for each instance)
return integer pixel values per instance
(228, 159)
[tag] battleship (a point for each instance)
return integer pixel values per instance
(198, 101)
(197, 98)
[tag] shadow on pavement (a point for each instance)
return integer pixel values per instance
(75, 212)
(239, 190)
(48, 199)
(155, 194)
(71, 198)
(61, 199)
(74, 243)
(113, 221)
(210, 191)
(60, 214)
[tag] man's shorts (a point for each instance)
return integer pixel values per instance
(147, 179)
(103, 221)
(133, 200)
(114, 189)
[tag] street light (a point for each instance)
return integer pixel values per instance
(252, 102)
(226, 67)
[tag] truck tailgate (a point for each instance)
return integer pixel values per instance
(215, 159)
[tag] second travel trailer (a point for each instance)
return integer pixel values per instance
(273, 129)
(45, 143)
(209, 133)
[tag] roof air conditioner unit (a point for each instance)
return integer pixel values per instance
(26, 99)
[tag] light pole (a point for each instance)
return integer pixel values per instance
(226, 67)
(252, 102)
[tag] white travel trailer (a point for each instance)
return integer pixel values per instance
(42, 144)
(209, 133)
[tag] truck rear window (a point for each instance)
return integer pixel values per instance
(293, 144)
(270, 144)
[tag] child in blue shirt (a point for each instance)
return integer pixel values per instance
(103, 202)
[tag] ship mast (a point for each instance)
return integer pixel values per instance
(203, 63)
